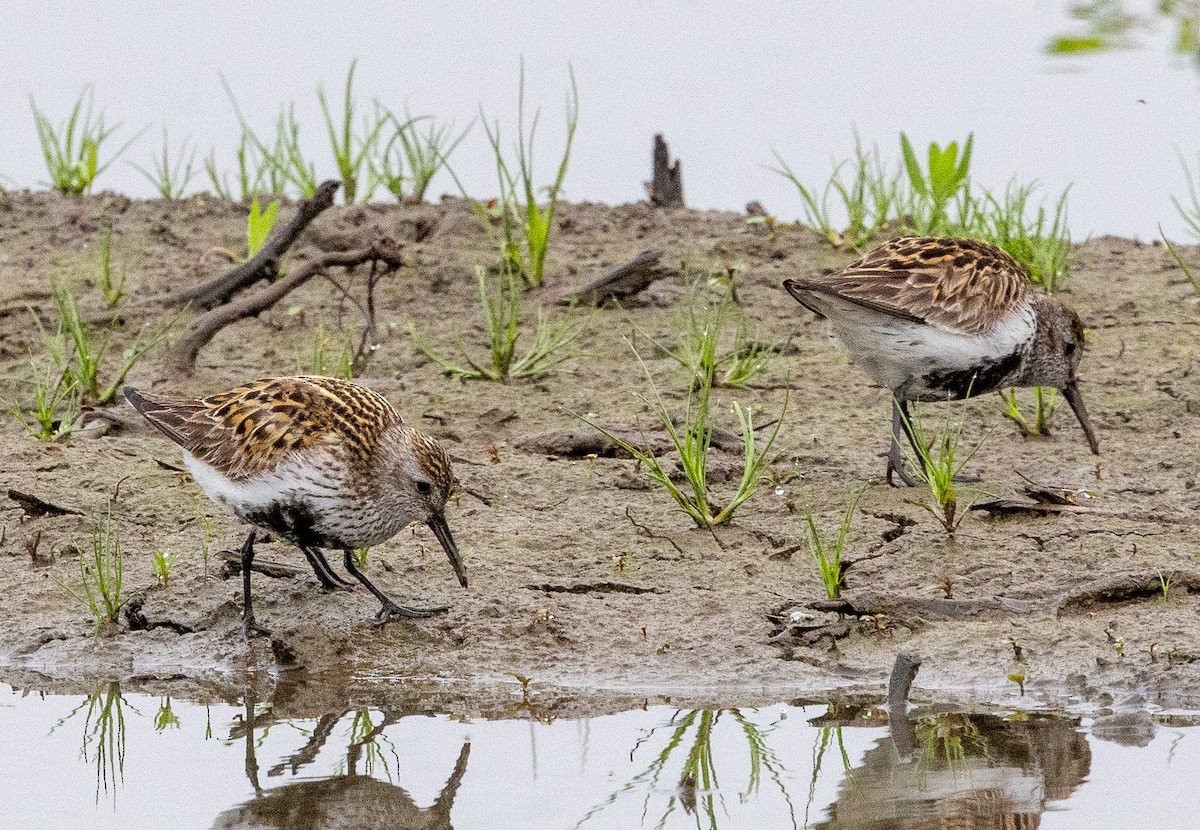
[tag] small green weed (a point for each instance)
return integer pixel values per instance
(526, 227)
(169, 178)
(101, 575)
(501, 305)
(703, 325)
(79, 351)
(161, 563)
(113, 288)
(1045, 402)
(251, 171)
(1190, 212)
(691, 439)
(55, 406)
(946, 175)
(165, 717)
(350, 150)
(360, 556)
(258, 226)
(412, 157)
(341, 366)
(829, 556)
(938, 463)
(72, 151)
(206, 527)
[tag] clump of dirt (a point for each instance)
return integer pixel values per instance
(582, 574)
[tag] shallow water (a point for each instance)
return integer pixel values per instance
(128, 760)
(726, 82)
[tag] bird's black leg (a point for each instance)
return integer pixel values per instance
(390, 609)
(329, 580)
(900, 426)
(250, 626)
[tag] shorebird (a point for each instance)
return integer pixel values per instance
(936, 319)
(321, 462)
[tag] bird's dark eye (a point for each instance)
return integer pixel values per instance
(1069, 349)
(424, 488)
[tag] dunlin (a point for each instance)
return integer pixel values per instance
(324, 463)
(934, 319)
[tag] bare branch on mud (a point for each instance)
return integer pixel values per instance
(623, 281)
(34, 507)
(265, 264)
(666, 188)
(231, 565)
(184, 351)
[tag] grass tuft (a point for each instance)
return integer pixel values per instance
(829, 556)
(169, 178)
(350, 149)
(939, 462)
(72, 150)
(101, 575)
(691, 439)
(500, 302)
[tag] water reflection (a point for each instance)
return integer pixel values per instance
(688, 744)
(354, 798)
(303, 757)
(968, 770)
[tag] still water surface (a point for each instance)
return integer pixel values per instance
(132, 761)
(1097, 95)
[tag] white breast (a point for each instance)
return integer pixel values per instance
(895, 352)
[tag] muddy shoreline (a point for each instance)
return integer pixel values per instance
(567, 590)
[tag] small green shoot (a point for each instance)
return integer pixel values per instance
(1164, 583)
(829, 557)
(703, 324)
(72, 151)
(691, 439)
(341, 366)
(251, 171)
(360, 556)
(411, 157)
(169, 178)
(101, 575)
(55, 406)
(112, 288)
(501, 306)
(350, 151)
(258, 226)
(1189, 213)
(1045, 402)
(161, 563)
(938, 463)
(525, 234)
(946, 175)
(83, 356)
(1187, 272)
(165, 717)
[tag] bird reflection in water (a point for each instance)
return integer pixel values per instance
(353, 801)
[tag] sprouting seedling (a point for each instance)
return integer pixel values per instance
(341, 366)
(1189, 213)
(55, 405)
(947, 174)
(1045, 403)
(501, 305)
(72, 151)
(165, 717)
(169, 178)
(350, 151)
(258, 226)
(829, 557)
(1164, 582)
(360, 556)
(101, 575)
(412, 157)
(205, 538)
(938, 464)
(112, 288)
(161, 563)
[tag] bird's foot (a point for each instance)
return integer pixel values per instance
(340, 585)
(898, 471)
(250, 628)
(391, 611)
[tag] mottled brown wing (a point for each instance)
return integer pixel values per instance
(251, 429)
(959, 284)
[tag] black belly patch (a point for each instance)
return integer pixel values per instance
(983, 378)
(291, 521)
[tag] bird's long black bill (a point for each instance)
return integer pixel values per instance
(442, 531)
(1071, 393)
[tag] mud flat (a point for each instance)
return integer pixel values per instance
(584, 576)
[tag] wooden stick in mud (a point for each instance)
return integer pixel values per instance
(265, 264)
(666, 188)
(904, 671)
(184, 351)
(623, 281)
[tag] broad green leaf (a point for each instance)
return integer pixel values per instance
(910, 164)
